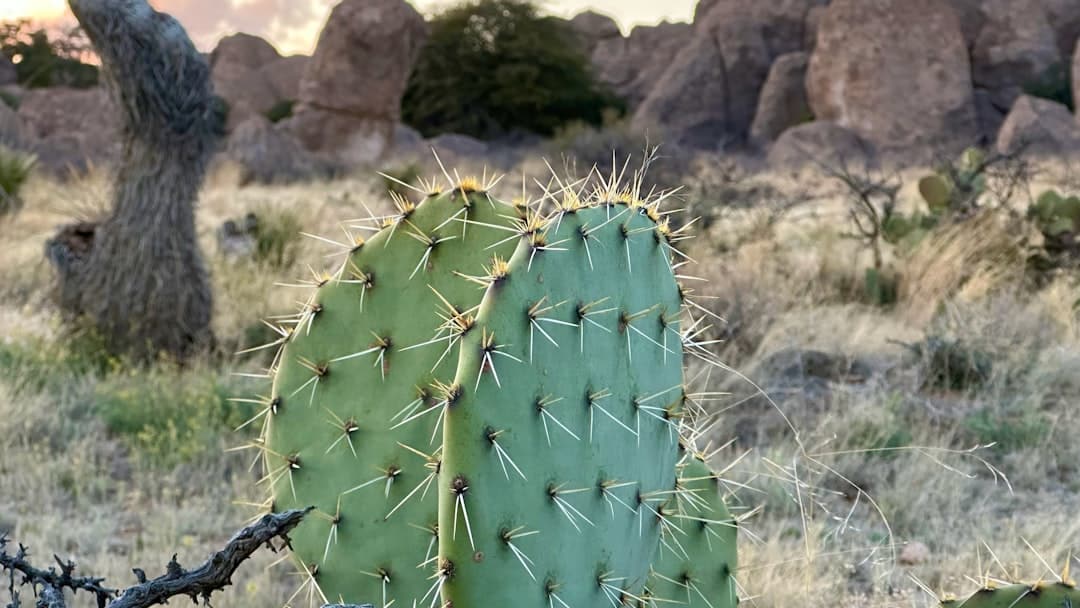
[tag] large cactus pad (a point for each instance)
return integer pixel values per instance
(696, 566)
(561, 439)
(353, 427)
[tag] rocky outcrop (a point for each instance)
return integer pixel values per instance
(709, 94)
(267, 155)
(73, 128)
(284, 76)
(244, 50)
(634, 64)
(782, 103)
(350, 95)
(1015, 49)
(896, 73)
(818, 142)
(1064, 17)
(246, 90)
(1041, 128)
(592, 28)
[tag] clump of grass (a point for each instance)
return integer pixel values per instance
(168, 415)
(277, 237)
(48, 365)
(15, 170)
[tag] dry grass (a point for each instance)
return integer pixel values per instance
(838, 476)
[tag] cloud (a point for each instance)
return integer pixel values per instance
(291, 25)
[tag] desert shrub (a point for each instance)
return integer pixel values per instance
(167, 415)
(15, 169)
(1054, 84)
(277, 237)
(49, 365)
(492, 67)
(44, 60)
(1009, 428)
(281, 110)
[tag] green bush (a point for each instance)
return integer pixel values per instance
(10, 100)
(41, 365)
(1054, 84)
(492, 67)
(281, 110)
(167, 415)
(15, 169)
(1009, 428)
(44, 61)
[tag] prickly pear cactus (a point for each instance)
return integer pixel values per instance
(354, 424)
(1039, 595)
(696, 566)
(561, 433)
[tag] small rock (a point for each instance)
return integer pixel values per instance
(914, 553)
(818, 142)
(1041, 127)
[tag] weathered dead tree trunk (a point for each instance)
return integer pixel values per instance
(137, 274)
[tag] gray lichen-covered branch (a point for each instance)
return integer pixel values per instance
(213, 575)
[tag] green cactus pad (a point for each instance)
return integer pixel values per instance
(936, 191)
(560, 446)
(696, 565)
(1038, 595)
(347, 382)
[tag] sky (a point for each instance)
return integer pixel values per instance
(293, 25)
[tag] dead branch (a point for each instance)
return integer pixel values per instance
(213, 575)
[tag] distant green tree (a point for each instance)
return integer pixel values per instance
(42, 60)
(492, 67)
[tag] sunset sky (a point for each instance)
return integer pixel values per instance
(293, 25)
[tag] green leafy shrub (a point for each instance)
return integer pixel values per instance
(1009, 429)
(15, 169)
(167, 415)
(1054, 84)
(281, 110)
(10, 100)
(491, 67)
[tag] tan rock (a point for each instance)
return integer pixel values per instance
(900, 88)
(634, 64)
(914, 553)
(364, 57)
(269, 155)
(284, 76)
(815, 143)
(1041, 127)
(244, 49)
(73, 127)
(247, 91)
(350, 94)
(782, 103)
(709, 94)
(1064, 17)
(592, 28)
(1015, 48)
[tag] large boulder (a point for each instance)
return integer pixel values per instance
(1041, 128)
(350, 95)
(782, 103)
(633, 64)
(247, 91)
(592, 28)
(7, 71)
(268, 155)
(1016, 48)
(709, 94)
(818, 142)
(896, 73)
(284, 75)
(1064, 16)
(66, 140)
(245, 50)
